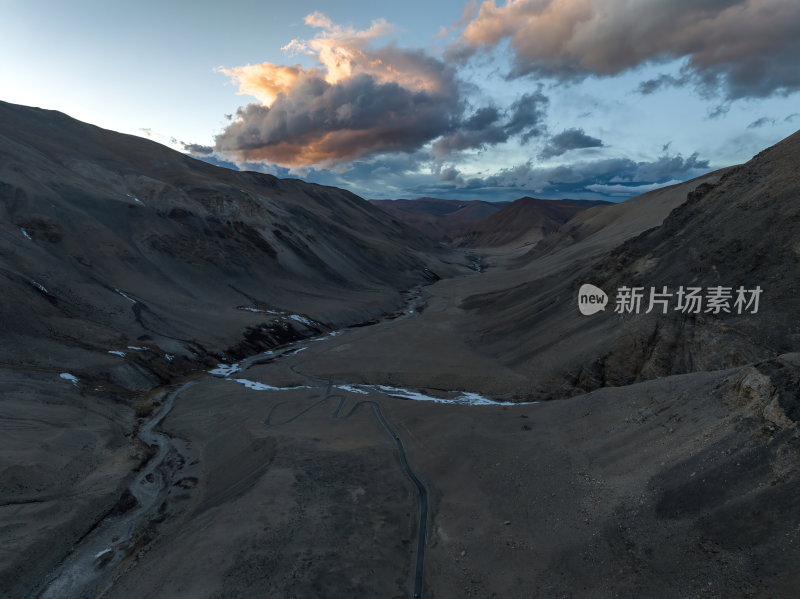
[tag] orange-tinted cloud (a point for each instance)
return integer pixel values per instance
(743, 47)
(359, 100)
(263, 81)
(318, 122)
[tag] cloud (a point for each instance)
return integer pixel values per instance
(198, 149)
(650, 86)
(629, 190)
(489, 126)
(719, 111)
(359, 100)
(608, 176)
(670, 167)
(527, 116)
(481, 129)
(569, 139)
(407, 175)
(323, 123)
(740, 48)
(263, 81)
(761, 122)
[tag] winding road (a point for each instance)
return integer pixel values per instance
(89, 568)
(337, 414)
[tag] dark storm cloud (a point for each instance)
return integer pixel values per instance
(569, 139)
(741, 48)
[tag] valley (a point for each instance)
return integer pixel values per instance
(225, 384)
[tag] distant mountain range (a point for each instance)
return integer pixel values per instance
(477, 223)
(442, 220)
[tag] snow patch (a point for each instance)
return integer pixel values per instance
(127, 297)
(25, 233)
(101, 553)
(256, 386)
(134, 347)
(40, 287)
(116, 352)
(257, 310)
(407, 394)
(351, 389)
(135, 199)
(303, 319)
(225, 369)
(465, 398)
(169, 357)
(69, 377)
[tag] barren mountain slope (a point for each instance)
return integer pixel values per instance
(135, 241)
(601, 227)
(740, 231)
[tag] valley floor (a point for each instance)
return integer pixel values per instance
(683, 486)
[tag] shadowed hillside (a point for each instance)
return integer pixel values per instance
(108, 239)
(714, 237)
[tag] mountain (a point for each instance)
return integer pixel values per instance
(522, 222)
(442, 220)
(110, 240)
(398, 438)
(608, 225)
(714, 236)
(127, 267)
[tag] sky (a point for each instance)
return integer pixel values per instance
(582, 99)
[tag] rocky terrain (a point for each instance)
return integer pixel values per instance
(223, 384)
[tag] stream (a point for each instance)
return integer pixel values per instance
(104, 547)
(88, 568)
